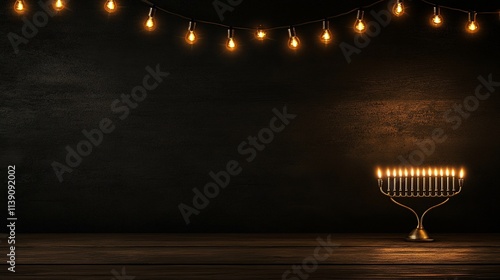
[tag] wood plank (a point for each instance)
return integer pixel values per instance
(223, 272)
(255, 255)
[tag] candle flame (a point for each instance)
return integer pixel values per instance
(441, 172)
(447, 172)
(379, 173)
(412, 172)
(435, 171)
(394, 172)
(400, 173)
(453, 172)
(418, 172)
(406, 172)
(388, 172)
(461, 173)
(423, 172)
(430, 172)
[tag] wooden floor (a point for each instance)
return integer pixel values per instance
(251, 256)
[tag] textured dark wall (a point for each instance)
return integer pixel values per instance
(316, 175)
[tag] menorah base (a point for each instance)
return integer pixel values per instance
(419, 235)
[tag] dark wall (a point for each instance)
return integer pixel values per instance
(317, 175)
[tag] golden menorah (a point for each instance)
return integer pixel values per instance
(419, 183)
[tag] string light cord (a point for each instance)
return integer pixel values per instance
(151, 4)
(456, 9)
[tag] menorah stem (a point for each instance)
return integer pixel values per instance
(419, 233)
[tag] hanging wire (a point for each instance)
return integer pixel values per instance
(301, 23)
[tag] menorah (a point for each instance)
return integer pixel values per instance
(421, 182)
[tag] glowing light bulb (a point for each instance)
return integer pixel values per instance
(326, 34)
(190, 35)
(472, 25)
(110, 6)
(359, 24)
(230, 43)
(58, 5)
(150, 24)
(398, 8)
(260, 34)
(437, 19)
(19, 7)
(293, 41)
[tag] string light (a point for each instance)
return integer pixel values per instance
(293, 40)
(437, 19)
(58, 5)
(150, 24)
(230, 43)
(326, 34)
(398, 9)
(326, 37)
(190, 35)
(110, 6)
(472, 25)
(261, 33)
(359, 24)
(19, 7)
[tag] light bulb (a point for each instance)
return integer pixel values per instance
(398, 8)
(110, 6)
(437, 19)
(19, 7)
(58, 5)
(230, 43)
(326, 34)
(190, 35)
(150, 24)
(293, 40)
(472, 25)
(359, 24)
(260, 34)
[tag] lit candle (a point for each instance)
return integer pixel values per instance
(406, 180)
(412, 174)
(430, 180)
(388, 179)
(423, 179)
(418, 177)
(447, 180)
(394, 175)
(400, 179)
(453, 179)
(435, 179)
(442, 178)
